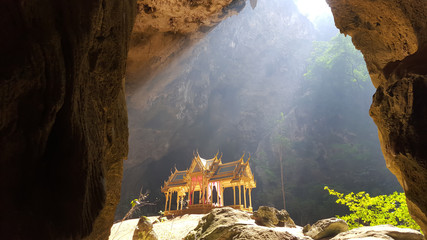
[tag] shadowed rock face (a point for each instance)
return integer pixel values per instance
(392, 36)
(63, 122)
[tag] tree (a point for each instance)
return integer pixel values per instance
(281, 145)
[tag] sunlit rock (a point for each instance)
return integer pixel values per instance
(326, 228)
(144, 230)
(227, 223)
(380, 232)
(271, 217)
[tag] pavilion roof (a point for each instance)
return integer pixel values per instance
(213, 169)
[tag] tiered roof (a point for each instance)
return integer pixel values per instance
(214, 170)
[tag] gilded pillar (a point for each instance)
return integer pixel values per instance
(166, 202)
(222, 197)
(250, 198)
(177, 201)
(234, 194)
(170, 200)
(210, 189)
(244, 196)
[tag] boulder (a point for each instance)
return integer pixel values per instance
(228, 223)
(325, 228)
(144, 230)
(380, 232)
(271, 217)
(306, 228)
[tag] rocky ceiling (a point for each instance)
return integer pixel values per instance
(165, 29)
(63, 124)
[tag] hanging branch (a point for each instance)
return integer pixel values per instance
(137, 203)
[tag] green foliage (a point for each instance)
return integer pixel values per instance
(340, 57)
(382, 209)
(134, 202)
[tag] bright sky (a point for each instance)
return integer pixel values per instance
(313, 8)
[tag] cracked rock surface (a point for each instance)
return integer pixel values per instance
(392, 36)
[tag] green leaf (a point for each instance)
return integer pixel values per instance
(370, 211)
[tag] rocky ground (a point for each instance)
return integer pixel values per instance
(266, 223)
(173, 229)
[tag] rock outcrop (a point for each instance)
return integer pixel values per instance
(380, 232)
(326, 228)
(227, 223)
(271, 217)
(164, 29)
(144, 230)
(63, 124)
(392, 36)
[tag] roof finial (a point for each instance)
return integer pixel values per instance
(249, 157)
(243, 155)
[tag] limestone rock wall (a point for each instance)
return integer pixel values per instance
(392, 36)
(63, 122)
(164, 29)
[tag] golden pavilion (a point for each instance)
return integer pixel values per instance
(201, 187)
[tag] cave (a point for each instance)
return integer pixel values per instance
(64, 132)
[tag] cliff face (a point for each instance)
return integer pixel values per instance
(220, 95)
(63, 123)
(392, 36)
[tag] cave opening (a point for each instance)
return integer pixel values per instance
(63, 120)
(276, 71)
